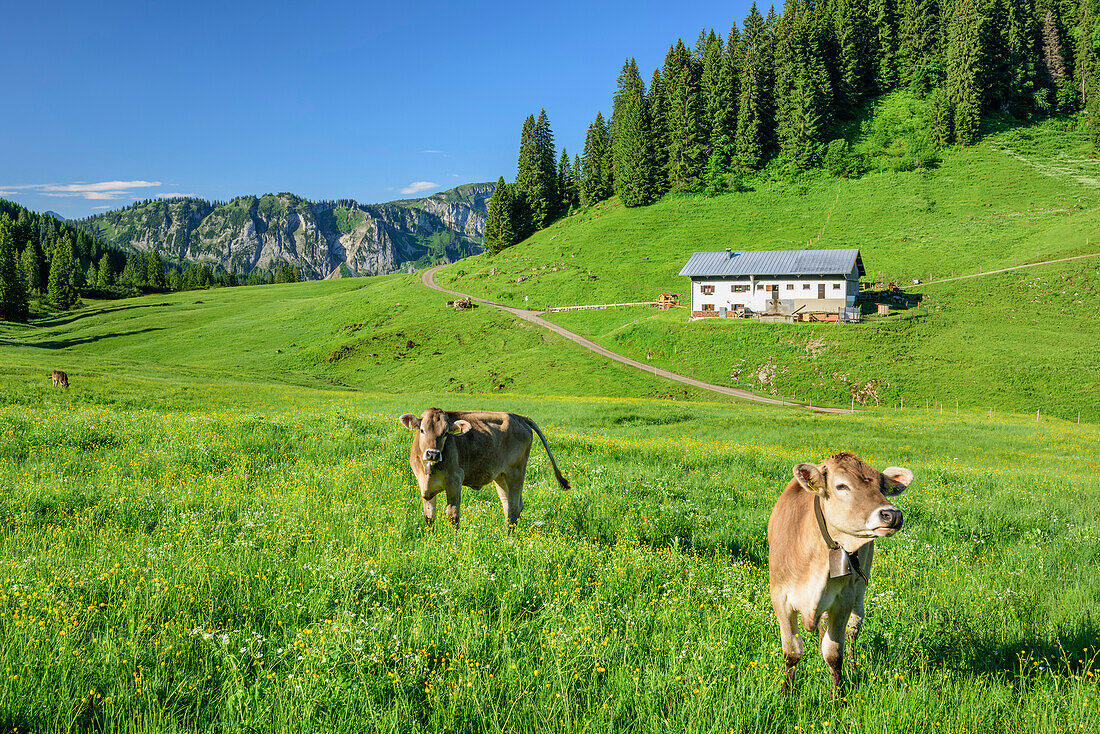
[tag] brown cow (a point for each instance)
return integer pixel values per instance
(472, 448)
(60, 378)
(820, 545)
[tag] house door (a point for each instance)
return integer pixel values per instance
(820, 290)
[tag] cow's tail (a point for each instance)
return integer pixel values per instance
(561, 479)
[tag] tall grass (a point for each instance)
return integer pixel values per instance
(262, 566)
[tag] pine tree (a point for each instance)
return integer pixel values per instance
(32, 269)
(751, 139)
(631, 142)
(595, 176)
(687, 137)
(61, 291)
(967, 68)
(13, 291)
(499, 228)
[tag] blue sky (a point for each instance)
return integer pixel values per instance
(107, 102)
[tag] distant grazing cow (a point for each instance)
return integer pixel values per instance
(820, 545)
(60, 378)
(452, 449)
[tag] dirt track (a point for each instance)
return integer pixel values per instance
(428, 279)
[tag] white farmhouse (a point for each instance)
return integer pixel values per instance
(773, 282)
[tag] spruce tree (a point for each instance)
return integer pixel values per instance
(753, 104)
(802, 87)
(919, 45)
(154, 271)
(104, 277)
(884, 13)
(631, 142)
(855, 55)
(567, 183)
(658, 125)
(499, 229)
(687, 138)
(32, 269)
(61, 291)
(1053, 71)
(967, 68)
(536, 175)
(1088, 69)
(595, 176)
(13, 291)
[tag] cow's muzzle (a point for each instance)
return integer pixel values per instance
(432, 456)
(890, 520)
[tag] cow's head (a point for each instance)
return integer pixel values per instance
(854, 494)
(432, 428)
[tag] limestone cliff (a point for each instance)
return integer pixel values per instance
(323, 239)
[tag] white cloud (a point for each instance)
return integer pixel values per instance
(105, 206)
(430, 150)
(417, 186)
(101, 190)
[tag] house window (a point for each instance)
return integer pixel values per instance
(706, 290)
(836, 286)
(770, 288)
(805, 286)
(708, 306)
(740, 289)
(790, 286)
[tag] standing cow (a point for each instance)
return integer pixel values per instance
(472, 448)
(820, 545)
(60, 378)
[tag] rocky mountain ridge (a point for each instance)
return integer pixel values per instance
(324, 239)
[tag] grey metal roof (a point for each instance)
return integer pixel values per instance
(773, 262)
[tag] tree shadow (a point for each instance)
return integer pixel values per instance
(66, 343)
(64, 319)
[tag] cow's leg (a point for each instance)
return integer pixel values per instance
(510, 490)
(429, 511)
(790, 640)
(454, 499)
(856, 620)
(832, 646)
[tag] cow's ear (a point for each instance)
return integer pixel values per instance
(460, 426)
(810, 477)
(410, 421)
(897, 479)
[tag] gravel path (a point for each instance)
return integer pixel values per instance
(428, 279)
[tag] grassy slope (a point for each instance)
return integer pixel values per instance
(1020, 196)
(306, 334)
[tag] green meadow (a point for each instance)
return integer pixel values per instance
(215, 529)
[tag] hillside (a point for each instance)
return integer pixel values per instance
(1025, 194)
(257, 232)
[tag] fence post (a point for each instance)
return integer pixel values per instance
(1036, 415)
